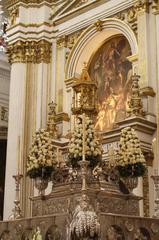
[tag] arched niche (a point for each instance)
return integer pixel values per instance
(92, 39)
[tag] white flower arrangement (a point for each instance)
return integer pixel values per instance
(92, 146)
(130, 161)
(41, 159)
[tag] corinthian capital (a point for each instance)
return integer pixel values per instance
(155, 6)
(142, 5)
(29, 51)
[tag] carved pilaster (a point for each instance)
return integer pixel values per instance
(29, 51)
(146, 202)
(135, 103)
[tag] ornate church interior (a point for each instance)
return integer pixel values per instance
(79, 119)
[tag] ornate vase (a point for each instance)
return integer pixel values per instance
(41, 184)
(131, 183)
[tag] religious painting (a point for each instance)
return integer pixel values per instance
(112, 71)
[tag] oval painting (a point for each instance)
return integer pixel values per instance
(112, 71)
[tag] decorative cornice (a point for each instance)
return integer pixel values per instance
(29, 51)
(128, 15)
(11, 3)
(30, 25)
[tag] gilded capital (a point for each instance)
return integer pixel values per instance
(29, 51)
(155, 6)
(142, 6)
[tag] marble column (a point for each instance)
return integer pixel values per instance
(15, 129)
(155, 10)
(146, 56)
(29, 98)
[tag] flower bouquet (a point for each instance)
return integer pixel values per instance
(93, 150)
(130, 161)
(41, 160)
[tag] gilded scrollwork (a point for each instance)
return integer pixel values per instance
(130, 17)
(29, 51)
(98, 25)
(4, 114)
(135, 103)
(55, 206)
(68, 41)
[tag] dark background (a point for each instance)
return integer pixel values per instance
(3, 145)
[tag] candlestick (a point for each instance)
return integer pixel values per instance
(58, 161)
(84, 163)
(84, 137)
(18, 155)
(17, 210)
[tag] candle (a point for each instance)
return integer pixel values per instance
(84, 136)
(58, 161)
(18, 155)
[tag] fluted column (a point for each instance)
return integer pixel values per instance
(29, 97)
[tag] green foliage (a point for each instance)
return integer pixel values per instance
(43, 172)
(132, 170)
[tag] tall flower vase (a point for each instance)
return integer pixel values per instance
(131, 183)
(41, 185)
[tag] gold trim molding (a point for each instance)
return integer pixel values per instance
(29, 51)
(11, 3)
(129, 16)
(35, 25)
